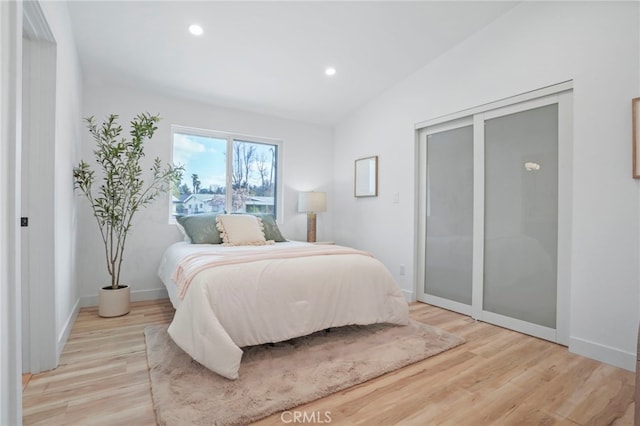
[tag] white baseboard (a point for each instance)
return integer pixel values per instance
(602, 353)
(409, 296)
(66, 330)
(136, 296)
(155, 294)
(87, 301)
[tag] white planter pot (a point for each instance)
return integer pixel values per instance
(114, 303)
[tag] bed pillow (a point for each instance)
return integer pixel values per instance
(201, 228)
(271, 230)
(241, 230)
(183, 232)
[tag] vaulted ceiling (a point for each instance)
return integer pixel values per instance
(270, 57)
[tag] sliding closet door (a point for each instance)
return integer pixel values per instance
(521, 216)
(494, 212)
(449, 218)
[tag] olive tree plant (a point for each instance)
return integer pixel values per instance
(122, 190)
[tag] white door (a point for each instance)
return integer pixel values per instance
(39, 336)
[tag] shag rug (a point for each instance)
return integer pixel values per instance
(284, 375)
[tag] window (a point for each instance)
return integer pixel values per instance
(225, 173)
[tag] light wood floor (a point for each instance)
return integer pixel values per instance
(497, 377)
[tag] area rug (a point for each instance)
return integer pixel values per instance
(284, 375)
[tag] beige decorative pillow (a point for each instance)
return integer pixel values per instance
(241, 230)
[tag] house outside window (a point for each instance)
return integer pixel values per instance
(226, 173)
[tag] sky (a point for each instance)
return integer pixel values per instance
(205, 156)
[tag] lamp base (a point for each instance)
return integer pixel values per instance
(311, 227)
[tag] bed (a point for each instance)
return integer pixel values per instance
(250, 289)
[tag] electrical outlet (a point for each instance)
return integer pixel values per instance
(402, 269)
(24, 221)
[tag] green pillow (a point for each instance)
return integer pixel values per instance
(271, 230)
(201, 228)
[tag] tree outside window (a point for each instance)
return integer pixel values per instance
(251, 173)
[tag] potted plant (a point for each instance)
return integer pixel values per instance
(121, 193)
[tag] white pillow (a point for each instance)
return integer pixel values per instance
(241, 230)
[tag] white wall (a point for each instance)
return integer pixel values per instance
(308, 156)
(536, 44)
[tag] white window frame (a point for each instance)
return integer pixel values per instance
(230, 138)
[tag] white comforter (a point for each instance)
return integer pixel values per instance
(234, 305)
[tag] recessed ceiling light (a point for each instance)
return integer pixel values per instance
(195, 29)
(330, 71)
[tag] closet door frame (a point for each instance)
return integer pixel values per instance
(561, 95)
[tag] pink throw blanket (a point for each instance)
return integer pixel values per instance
(191, 265)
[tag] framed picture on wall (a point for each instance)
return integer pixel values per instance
(366, 177)
(635, 111)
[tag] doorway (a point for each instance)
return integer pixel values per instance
(39, 351)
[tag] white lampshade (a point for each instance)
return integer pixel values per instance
(312, 201)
